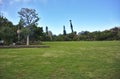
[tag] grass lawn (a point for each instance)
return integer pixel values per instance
(63, 60)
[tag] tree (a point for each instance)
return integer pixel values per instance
(71, 26)
(37, 33)
(19, 27)
(46, 30)
(28, 17)
(8, 35)
(64, 31)
(7, 31)
(50, 35)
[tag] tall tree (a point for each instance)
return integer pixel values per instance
(47, 30)
(71, 26)
(37, 33)
(7, 30)
(29, 17)
(19, 27)
(64, 31)
(50, 35)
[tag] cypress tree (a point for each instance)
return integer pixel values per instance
(64, 31)
(71, 26)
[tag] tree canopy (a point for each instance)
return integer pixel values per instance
(28, 17)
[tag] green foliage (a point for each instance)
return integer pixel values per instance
(63, 60)
(7, 31)
(4, 22)
(36, 33)
(112, 34)
(8, 34)
(28, 18)
(28, 27)
(25, 31)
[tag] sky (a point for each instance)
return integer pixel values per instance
(86, 15)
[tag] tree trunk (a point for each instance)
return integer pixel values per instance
(27, 40)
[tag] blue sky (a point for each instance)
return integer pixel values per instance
(90, 15)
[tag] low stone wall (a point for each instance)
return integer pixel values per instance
(25, 46)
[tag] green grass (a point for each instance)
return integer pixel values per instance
(63, 60)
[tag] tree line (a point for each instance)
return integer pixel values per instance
(106, 35)
(28, 29)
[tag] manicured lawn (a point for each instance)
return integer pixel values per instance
(63, 60)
